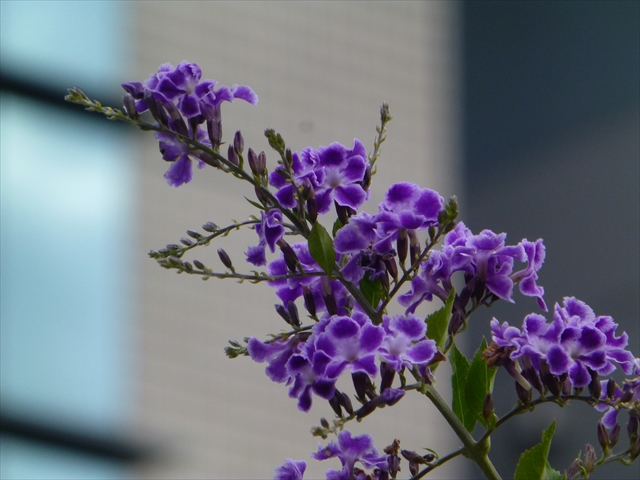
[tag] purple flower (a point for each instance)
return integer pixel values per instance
(333, 172)
(180, 171)
(276, 353)
(351, 449)
(349, 342)
(291, 470)
(630, 390)
(405, 344)
(487, 263)
(291, 289)
(269, 231)
(573, 343)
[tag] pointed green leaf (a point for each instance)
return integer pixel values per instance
(552, 474)
(479, 383)
(321, 248)
(438, 322)
(460, 367)
(372, 290)
(255, 204)
(533, 462)
(337, 225)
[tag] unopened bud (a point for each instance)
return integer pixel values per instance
(232, 156)
(186, 241)
(283, 313)
(548, 379)
(402, 245)
(198, 264)
(595, 387)
(530, 373)
(214, 131)
(343, 213)
(309, 301)
(414, 246)
(312, 206)
(210, 227)
(413, 457)
(590, 458)
(614, 435)
(603, 437)
(324, 423)
(290, 257)
(392, 267)
(345, 401)
(627, 396)
(327, 295)
(238, 143)
(387, 373)
(224, 258)
(253, 162)
(523, 394)
(611, 388)
(366, 180)
(155, 108)
(293, 313)
(129, 104)
(362, 385)
(194, 234)
(262, 197)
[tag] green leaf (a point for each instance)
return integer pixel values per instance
(479, 383)
(460, 367)
(372, 290)
(438, 322)
(533, 462)
(321, 248)
(255, 204)
(337, 225)
(553, 474)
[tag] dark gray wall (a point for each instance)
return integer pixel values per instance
(551, 122)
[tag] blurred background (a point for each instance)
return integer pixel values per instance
(114, 368)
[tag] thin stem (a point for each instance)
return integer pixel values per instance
(476, 451)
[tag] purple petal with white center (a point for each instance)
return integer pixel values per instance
(400, 195)
(333, 155)
(558, 360)
(579, 375)
(350, 196)
(354, 170)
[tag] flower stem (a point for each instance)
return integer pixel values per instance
(476, 451)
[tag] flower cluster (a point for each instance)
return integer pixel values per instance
(576, 343)
(487, 264)
(314, 362)
(349, 449)
(175, 94)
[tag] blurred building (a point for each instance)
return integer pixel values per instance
(113, 367)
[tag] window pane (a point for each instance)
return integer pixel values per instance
(66, 202)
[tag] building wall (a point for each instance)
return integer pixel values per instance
(321, 70)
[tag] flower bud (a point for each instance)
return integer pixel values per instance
(224, 258)
(335, 405)
(530, 373)
(345, 402)
(327, 295)
(627, 396)
(293, 313)
(309, 301)
(413, 457)
(262, 197)
(129, 104)
(198, 264)
(574, 472)
(603, 437)
(210, 227)
(548, 379)
(611, 388)
(614, 435)
(324, 423)
(253, 162)
(186, 241)
(523, 394)
(387, 373)
(595, 387)
(283, 313)
(343, 213)
(363, 386)
(214, 131)
(155, 108)
(290, 257)
(402, 245)
(392, 267)
(312, 206)
(590, 458)
(238, 143)
(232, 156)
(414, 246)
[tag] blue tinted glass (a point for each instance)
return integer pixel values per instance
(65, 43)
(29, 460)
(66, 202)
